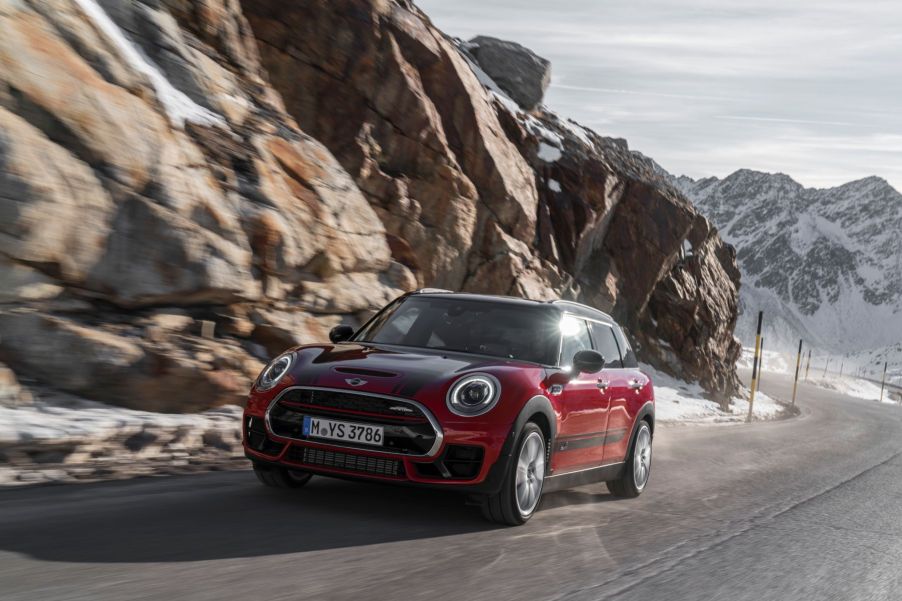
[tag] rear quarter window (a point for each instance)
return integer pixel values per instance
(607, 344)
(626, 349)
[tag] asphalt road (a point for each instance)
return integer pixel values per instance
(806, 508)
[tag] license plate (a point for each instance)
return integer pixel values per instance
(317, 427)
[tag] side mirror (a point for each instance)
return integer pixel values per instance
(588, 362)
(341, 333)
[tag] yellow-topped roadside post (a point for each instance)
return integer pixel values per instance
(808, 365)
(883, 381)
(755, 366)
(795, 384)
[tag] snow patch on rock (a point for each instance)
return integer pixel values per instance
(179, 107)
(549, 153)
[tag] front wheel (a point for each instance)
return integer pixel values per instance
(280, 477)
(634, 476)
(521, 490)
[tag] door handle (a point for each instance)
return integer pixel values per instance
(636, 384)
(603, 385)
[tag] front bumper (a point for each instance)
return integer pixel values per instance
(471, 462)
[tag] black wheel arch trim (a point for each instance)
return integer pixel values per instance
(537, 404)
(647, 410)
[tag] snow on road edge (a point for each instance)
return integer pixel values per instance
(680, 402)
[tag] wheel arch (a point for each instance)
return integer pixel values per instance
(645, 414)
(538, 409)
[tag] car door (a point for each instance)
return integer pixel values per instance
(625, 385)
(584, 406)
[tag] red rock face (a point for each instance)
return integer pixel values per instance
(477, 195)
(354, 155)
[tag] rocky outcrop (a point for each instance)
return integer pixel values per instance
(188, 188)
(478, 195)
(146, 163)
(518, 71)
(12, 394)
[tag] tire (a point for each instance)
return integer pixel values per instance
(280, 477)
(521, 489)
(635, 474)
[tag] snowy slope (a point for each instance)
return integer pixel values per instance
(824, 264)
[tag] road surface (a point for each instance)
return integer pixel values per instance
(806, 508)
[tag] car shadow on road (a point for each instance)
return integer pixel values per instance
(215, 516)
(229, 515)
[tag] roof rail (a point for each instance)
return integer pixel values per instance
(432, 291)
(581, 305)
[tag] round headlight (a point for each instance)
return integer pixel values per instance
(473, 395)
(274, 372)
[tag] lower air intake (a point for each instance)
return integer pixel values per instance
(348, 462)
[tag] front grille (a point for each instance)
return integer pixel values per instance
(350, 402)
(360, 464)
(407, 429)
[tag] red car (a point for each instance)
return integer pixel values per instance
(500, 398)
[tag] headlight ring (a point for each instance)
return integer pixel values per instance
(473, 395)
(274, 372)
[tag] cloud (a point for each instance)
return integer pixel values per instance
(707, 86)
(779, 120)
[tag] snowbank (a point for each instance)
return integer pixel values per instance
(855, 387)
(68, 419)
(60, 438)
(677, 401)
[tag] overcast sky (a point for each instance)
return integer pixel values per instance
(811, 88)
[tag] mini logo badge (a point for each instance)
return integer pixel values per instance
(355, 381)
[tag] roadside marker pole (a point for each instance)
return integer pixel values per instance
(883, 381)
(795, 384)
(841, 365)
(760, 363)
(808, 365)
(826, 365)
(755, 366)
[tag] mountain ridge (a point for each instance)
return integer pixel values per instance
(824, 263)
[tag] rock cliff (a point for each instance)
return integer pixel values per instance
(189, 187)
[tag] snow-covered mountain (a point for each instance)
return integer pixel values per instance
(824, 264)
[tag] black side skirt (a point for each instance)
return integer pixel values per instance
(572, 479)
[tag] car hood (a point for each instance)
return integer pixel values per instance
(395, 371)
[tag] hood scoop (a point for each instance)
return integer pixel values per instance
(360, 371)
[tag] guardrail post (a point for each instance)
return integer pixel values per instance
(883, 381)
(795, 383)
(755, 366)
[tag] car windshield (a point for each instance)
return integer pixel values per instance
(471, 326)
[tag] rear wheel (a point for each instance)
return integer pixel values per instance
(280, 477)
(521, 490)
(634, 476)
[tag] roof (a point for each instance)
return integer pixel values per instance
(568, 306)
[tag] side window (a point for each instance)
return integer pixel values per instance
(629, 357)
(606, 344)
(575, 338)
